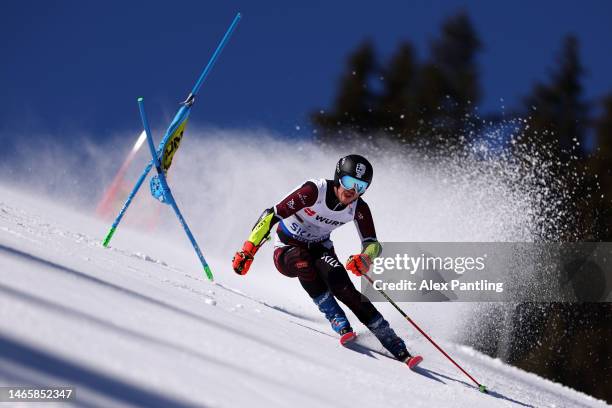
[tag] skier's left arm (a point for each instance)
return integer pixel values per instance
(360, 264)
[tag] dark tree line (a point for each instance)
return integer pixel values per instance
(419, 102)
(431, 104)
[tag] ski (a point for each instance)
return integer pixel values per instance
(413, 362)
(347, 338)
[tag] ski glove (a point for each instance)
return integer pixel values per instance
(244, 258)
(359, 264)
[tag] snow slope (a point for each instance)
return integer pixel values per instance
(138, 325)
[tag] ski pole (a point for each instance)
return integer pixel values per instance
(166, 188)
(481, 387)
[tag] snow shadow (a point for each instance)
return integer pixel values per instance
(78, 376)
(186, 313)
(261, 302)
(144, 338)
(491, 393)
(427, 373)
(353, 345)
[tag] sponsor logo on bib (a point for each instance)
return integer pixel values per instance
(328, 221)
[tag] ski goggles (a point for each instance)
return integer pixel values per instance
(350, 183)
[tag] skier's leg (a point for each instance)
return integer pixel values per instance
(342, 287)
(296, 262)
(332, 271)
(387, 337)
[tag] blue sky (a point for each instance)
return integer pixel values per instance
(73, 66)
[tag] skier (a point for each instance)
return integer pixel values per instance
(303, 248)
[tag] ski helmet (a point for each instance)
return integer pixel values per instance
(355, 166)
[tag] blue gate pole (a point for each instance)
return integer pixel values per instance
(215, 55)
(167, 192)
(127, 203)
(188, 102)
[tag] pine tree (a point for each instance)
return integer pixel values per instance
(352, 112)
(428, 103)
(448, 83)
(603, 128)
(454, 54)
(602, 171)
(398, 113)
(559, 115)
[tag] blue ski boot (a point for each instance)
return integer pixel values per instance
(331, 309)
(391, 341)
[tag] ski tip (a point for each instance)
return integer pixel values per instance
(347, 338)
(483, 388)
(414, 361)
(140, 99)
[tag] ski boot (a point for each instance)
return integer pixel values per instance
(391, 341)
(347, 335)
(331, 309)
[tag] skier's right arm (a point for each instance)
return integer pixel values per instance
(259, 234)
(263, 226)
(303, 197)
